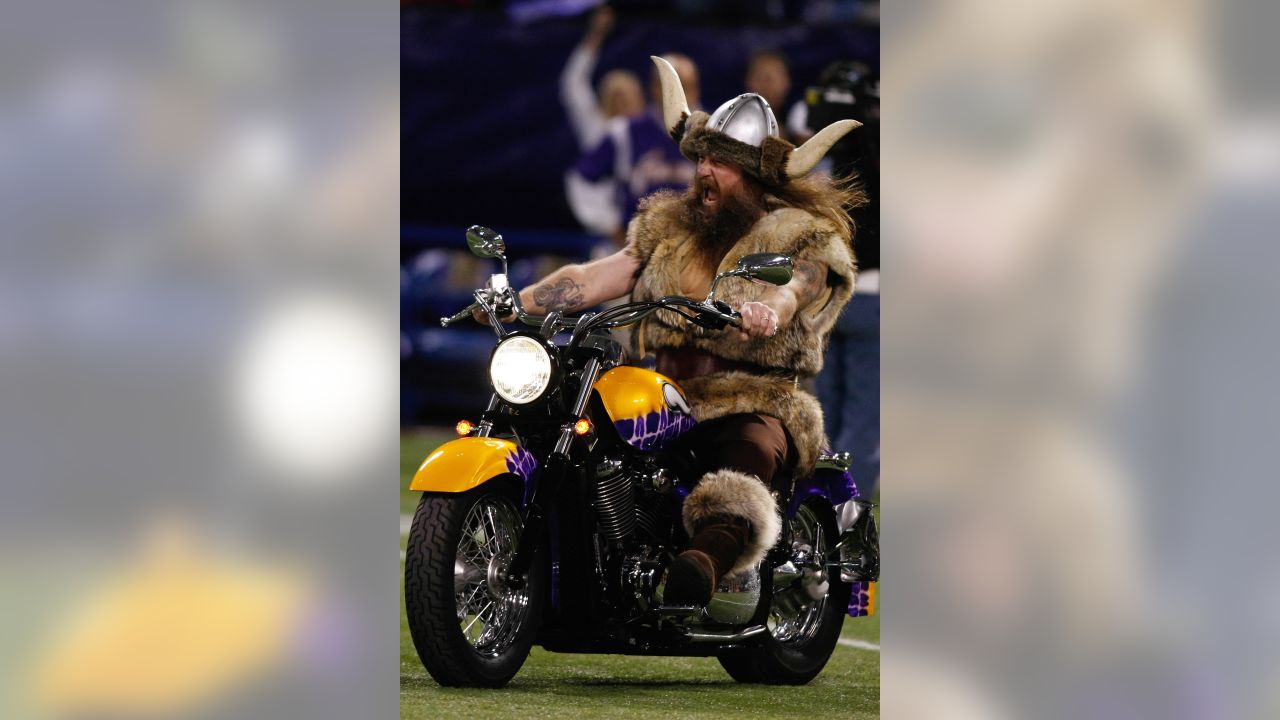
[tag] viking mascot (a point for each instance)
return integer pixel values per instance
(752, 193)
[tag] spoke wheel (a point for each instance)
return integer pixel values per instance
(489, 614)
(468, 626)
(805, 614)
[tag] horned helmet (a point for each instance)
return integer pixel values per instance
(742, 131)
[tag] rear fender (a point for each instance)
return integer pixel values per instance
(859, 541)
(467, 463)
(833, 485)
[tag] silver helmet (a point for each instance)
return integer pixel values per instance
(743, 131)
(746, 118)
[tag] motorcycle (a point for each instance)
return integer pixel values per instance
(553, 519)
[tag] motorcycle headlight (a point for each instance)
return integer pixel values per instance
(520, 369)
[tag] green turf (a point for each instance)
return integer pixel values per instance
(553, 685)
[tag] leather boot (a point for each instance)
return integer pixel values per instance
(716, 545)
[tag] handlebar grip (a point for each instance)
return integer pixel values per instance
(460, 315)
(731, 316)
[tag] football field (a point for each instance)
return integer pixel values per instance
(553, 685)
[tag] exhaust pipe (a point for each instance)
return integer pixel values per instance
(725, 638)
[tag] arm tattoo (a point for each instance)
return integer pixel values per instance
(811, 281)
(564, 295)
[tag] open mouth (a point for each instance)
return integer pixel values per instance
(709, 196)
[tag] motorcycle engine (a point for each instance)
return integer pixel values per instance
(644, 567)
(633, 514)
(615, 500)
(630, 503)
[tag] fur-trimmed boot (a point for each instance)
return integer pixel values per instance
(732, 521)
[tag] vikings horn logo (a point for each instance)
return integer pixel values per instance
(674, 399)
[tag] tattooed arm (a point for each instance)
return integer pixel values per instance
(574, 288)
(779, 305)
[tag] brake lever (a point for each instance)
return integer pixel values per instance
(458, 316)
(482, 302)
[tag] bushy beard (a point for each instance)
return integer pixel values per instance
(717, 230)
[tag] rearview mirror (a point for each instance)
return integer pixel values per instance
(485, 242)
(771, 268)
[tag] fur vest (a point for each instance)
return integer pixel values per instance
(664, 245)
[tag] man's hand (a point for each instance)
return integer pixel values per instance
(762, 319)
(758, 320)
(482, 317)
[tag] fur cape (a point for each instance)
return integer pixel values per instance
(659, 238)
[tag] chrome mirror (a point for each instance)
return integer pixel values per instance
(770, 268)
(485, 242)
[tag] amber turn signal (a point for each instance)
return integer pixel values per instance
(582, 427)
(463, 428)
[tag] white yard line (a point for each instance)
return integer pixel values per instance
(860, 644)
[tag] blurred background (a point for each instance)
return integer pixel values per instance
(1077, 210)
(198, 223)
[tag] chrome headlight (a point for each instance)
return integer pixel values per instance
(520, 369)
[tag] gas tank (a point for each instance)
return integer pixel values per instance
(647, 409)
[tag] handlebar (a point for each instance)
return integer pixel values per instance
(713, 315)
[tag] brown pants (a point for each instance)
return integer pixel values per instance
(750, 443)
(753, 444)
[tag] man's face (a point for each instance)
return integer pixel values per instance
(721, 206)
(716, 183)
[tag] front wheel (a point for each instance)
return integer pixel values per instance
(805, 614)
(469, 628)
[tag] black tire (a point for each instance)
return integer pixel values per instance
(784, 657)
(454, 653)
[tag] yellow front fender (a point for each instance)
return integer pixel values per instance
(465, 463)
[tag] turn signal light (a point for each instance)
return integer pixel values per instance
(463, 428)
(582, 427)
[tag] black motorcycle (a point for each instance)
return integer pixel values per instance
(553, 519)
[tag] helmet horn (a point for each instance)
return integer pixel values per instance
(804, 158)
(675, 109)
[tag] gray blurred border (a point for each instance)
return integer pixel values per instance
(1078, 248)
(198, 311)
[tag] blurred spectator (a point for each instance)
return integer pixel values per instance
(852, 90)
(769, 76)
(798, 117)
(620, 93)
(849, 385)
(637, 154)
(596, 204)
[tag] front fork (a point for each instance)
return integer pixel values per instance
(548, 485)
